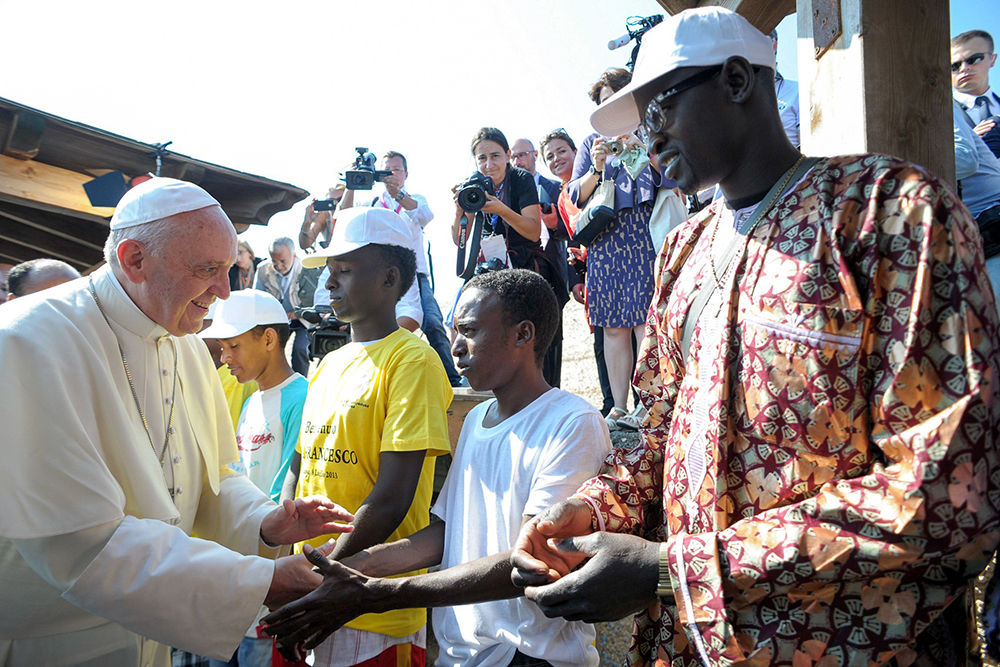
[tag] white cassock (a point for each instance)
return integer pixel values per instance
(95, 557)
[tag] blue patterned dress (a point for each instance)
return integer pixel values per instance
(620, 261)
(620, 270)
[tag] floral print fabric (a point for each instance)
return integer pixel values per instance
(852, 480)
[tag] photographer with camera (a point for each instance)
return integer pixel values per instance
(418, 308)
(506, 196)
(317, 224)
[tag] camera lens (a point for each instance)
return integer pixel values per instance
(471, 198)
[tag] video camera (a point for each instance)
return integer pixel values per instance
(328, 334)
(364, 174)
(472, 193)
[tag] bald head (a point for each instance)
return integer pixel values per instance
(523, 155)
(36, 275)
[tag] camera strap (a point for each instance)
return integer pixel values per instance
(466, 262)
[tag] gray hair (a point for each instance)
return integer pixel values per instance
(282, 241)
(152, 235)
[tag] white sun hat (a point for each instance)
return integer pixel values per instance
(699, 37)
(360, 226)
(243, 311)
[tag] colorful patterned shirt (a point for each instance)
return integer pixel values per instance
(828, 484)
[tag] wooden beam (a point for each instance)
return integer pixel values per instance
(764, 15)
(20, 252)
(50, 230)
(883, 86)
(43, 183)
(674, 6)
(68, 250)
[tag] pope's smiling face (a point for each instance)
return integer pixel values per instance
(190, 272)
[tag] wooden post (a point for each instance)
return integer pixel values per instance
(883, 86)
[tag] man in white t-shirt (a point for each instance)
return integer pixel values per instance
(529, 447)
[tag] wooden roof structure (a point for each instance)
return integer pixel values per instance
(765, 15)
(45, 160)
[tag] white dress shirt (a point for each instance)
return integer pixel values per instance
(980, 113)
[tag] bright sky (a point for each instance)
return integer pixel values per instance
(288, 90)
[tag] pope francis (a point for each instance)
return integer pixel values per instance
(122, 531)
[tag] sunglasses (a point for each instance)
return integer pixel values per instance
(655, 119)
(974, 59)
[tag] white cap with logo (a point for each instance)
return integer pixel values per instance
(159, 198)
(243, 311)
(699, 37)
(360, 226)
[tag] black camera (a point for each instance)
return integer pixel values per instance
(364, 174)
(325, 204)
(472, 193)
(328, 334)
(492, 264)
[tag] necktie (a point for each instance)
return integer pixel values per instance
(983, 104)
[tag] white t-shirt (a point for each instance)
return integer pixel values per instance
(530, 461)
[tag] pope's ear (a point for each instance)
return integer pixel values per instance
(133, 260)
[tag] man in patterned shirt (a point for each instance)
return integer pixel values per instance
(820, 363)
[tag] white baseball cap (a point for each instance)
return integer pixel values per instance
(359, 226)
(699, 37)
(243, 311)
(159, 198)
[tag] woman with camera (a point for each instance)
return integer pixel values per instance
(620, 261)
(511, 209)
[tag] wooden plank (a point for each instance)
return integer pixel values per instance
(764, 15)
(17, 253)
(883, 86)
(53, 246)
(39, 182)
(907, 82)
(674, 6)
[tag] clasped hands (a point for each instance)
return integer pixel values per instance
(569, 570)
(565, 567)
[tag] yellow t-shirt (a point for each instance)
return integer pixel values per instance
(236, 393)
(388, 396)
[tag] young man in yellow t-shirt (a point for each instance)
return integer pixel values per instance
(374, 419)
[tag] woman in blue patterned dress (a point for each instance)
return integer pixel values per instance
(620, 261)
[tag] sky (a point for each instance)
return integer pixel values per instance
(288, 90)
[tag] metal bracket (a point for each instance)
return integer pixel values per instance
(826, 25)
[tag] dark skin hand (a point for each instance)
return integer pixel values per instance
(619, 578)
(347, 593)
(387, 504)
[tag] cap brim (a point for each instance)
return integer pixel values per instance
(219, 329)
(618, 114)
(318, 259)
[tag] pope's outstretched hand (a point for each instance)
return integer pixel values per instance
(304, 519)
